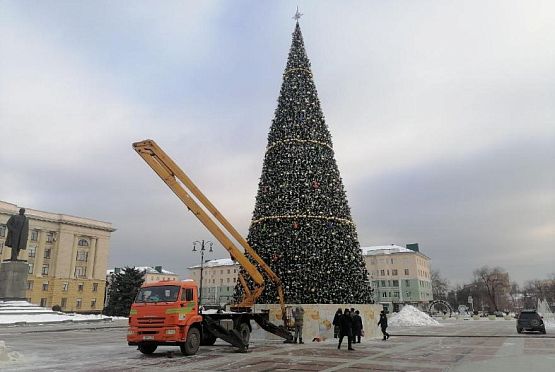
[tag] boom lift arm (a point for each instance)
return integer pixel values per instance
(182, 186)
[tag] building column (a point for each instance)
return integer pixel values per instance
(39, 254)
(91, 259)
(73, 256)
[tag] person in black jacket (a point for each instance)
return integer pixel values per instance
(346, 328)
(335, 323)
(383, 324)
(357, 327)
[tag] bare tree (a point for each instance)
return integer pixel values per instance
(440, 286)
(495, 282)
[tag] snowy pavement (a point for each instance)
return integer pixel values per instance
(457, 345)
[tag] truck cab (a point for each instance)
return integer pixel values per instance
(166, 313)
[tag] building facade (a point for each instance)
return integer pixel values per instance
(67, 258)
(218, 280)
(151, 274)
(399, 275)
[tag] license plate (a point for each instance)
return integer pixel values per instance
(148, 337)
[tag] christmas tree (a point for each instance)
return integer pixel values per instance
(122, 291)
(302, 224)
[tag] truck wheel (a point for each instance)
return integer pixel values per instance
(208, 339)
(191, 344)
(245, 332)
(519, 330)
(147, 348)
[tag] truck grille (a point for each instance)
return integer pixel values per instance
(150, 322)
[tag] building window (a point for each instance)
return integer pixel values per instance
(406, 271)
(2, 230)
(382, 272)
(83, 243)
(395, 294)
(43, 302)
(228, 280)
(78, 303)
(80, 271)
(49, 237)
(65, 286)
(64, 302)
(31, 268)
(384, 294)
(31, 251)
(234, 271)
(408, 294)
(80, 287)
(407, 283)
(95, 287)
(34, 235)
(234, 280)
(383, 283)
(47, 253)
(30, 284)
(45, 269)
(82, 255)
(394, 272)
(93, 303)
(1, 247)
(395, 283)
(45, 286)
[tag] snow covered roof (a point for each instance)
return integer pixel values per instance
(216, 263)
(384, 249)
(147, 269)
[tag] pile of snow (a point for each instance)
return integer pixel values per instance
(410, 316)
(549, 324)
(8, 356)
(23, 312)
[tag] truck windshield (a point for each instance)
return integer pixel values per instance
(165, 293)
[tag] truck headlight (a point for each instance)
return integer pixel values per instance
(170, 331)
(130, 332)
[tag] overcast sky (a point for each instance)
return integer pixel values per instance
(442, 116)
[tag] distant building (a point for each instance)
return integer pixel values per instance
(151, 274)
(399, 275)
(218, 280)
(67, 258)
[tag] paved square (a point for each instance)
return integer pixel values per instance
(455, 346)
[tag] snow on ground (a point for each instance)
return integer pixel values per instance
(410, 316)
(53, 317)
(12, 312)
(549, 324)
(8, 357)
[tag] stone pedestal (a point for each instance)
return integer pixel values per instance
(13, 280)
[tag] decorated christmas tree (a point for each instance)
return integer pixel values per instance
(302, 224)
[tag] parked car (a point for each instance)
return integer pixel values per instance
(530, 320)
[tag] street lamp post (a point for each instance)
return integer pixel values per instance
(202, 250)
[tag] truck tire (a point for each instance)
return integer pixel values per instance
(191, 344)
(245, 332)
(208, 339)
(519, 330)
(147, 349)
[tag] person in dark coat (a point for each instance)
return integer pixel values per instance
(383, 324)
(336, 327)
(298, 314)
(352, 312)
(357, 327)
(18, 231)
(346, 328)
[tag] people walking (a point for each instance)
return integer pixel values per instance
(383, 324)
(298, 315)
(346, 329)
(335, 322)
(357, 327)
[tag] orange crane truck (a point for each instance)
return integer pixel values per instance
(168, 313)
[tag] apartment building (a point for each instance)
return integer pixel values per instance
(399, 275)
(218, 280)
(67, 258)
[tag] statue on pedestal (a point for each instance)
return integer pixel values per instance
(18, 231)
